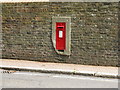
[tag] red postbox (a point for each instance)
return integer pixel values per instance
(60, 35)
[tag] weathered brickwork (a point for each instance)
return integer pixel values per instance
(27, 32)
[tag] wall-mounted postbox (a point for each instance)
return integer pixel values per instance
(61, 35)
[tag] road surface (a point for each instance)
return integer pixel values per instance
(16, 79)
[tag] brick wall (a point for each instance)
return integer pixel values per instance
(27, 32)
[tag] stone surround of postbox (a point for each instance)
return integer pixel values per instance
(61, 34)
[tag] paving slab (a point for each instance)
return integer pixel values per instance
(98, 71)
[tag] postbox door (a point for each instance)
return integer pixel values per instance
(60, 35)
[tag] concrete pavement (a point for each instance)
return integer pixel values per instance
(20, 79)
(98, 71)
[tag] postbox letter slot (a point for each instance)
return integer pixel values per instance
(60, 26)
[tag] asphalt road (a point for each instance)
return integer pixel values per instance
(42, 80)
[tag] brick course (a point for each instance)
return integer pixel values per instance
(27, 32)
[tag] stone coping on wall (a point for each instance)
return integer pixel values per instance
(13, 1)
